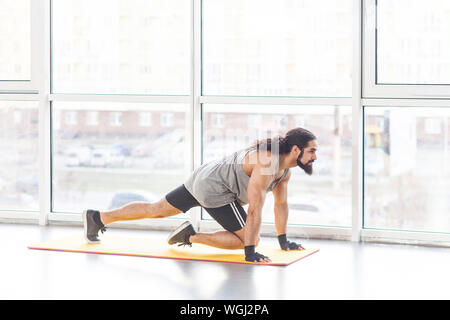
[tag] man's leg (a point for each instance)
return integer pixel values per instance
(232, 218)
(221, 239)
(175, 202)
(140, 210)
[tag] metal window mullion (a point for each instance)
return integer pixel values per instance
(41, 62)
(196, 85)
(357, 123)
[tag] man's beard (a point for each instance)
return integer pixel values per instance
(306, 167)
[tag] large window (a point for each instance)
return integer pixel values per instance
(111, 151)
(121, 46)
(98, 164)
(406, 49)
(413, 46)
(407, 168)
(15, 40)
(19, 180)
(277, 48)
(104, 102)
(321, 199)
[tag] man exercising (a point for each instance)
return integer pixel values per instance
(221, 187)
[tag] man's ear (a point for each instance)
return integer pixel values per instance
(296, 150)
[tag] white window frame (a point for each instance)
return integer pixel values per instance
(371, 89)
(364, 93)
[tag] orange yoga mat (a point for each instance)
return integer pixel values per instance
(153, 247)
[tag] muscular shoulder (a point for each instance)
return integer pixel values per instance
(263, 161)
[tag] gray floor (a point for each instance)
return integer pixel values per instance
(341, 270)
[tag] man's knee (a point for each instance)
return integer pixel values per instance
(241, 235)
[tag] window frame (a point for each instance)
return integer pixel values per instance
(30, 86)
(372, 89)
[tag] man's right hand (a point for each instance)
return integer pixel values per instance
(252, 256)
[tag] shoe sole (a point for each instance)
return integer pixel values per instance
(85, 229)
(181, 227)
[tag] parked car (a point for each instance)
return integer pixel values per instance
(122, 149)
(100, 158)
(78, 156)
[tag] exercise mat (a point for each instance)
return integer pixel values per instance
(153, 247)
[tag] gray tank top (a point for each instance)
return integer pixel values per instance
(218, 183)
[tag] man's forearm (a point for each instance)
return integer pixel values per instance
(281, 218)
(252, 225)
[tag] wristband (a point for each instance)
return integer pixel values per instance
(249, 250)
(252, 256)
(285, 244)
(282, 240)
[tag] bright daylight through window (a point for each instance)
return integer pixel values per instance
(321, 199)
(105, 102)
(15, 40)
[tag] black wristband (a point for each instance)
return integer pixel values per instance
(249, 250)
(285, 244)
(282, 240)
(252, 256)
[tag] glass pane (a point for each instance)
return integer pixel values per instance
(277, 48)
(324, 198)
(108, 154)
(121, 46)
(407, 168)
(413, 46)
(15, 40)
(19, 163)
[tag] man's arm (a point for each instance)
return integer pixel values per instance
(281, 209)
(257, 187)
(280, 194)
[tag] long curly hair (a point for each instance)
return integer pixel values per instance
(299, 137)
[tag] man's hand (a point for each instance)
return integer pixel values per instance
(285, 244)
(252, 256)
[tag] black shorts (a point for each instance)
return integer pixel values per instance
(231, 217)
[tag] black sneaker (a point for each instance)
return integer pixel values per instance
(181, 234)
(92, 225)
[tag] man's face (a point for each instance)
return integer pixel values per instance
(307, 156)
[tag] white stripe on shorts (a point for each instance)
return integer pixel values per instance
(238, 215)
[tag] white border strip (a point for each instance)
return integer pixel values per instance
(406, 237)
(293, 231)
(145, 224)
(237, 214)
